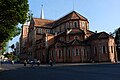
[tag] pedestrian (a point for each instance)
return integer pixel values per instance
(51, 63)
(38, 62)
(25, 62)
(32, 63)
(12, 62)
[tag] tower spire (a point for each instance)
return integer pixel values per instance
(42, 13)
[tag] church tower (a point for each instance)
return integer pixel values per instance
(42, 12)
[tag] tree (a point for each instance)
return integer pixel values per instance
(117, 41)
(12, 12)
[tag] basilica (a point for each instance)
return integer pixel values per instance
(66, 40)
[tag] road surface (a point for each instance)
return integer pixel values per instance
(71, 72)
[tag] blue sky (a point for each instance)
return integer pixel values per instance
(103, 15)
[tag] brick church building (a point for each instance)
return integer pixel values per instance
(67, 39)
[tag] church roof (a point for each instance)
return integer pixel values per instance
(77, 42)
(89, 32)
(58, 43)
(101, 35)
(72, 15)
(38, 22)
(42, 22)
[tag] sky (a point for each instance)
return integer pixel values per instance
(103, 15)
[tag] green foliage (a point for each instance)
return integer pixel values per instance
(117, 36)
(117, 41)
(11, 56)
(12, 12)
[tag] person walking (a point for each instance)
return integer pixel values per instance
(25, 62)
(51, 63)
(38, 62)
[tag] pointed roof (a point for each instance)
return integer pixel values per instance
(42, 13)
(72, 15)
(58, 43)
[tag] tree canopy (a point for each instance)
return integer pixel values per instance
(12, 12)
(117, 41)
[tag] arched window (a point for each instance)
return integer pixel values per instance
(70, 24)
(75, 24)
(69, 52)
(61, 38)
(83, 23)
(76, 37)
(60, 53)
(77, 52)
(67, 25)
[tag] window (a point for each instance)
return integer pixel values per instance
(80, 51)
(53, 31)
(75, 24)
(70, 24)
(95, 50)
(68, 38)
(103, 49)
(40, 31)
(76, 37)
(60, 53)
(67, 25)
(77, 52)
(73, 51)
(62, 39)
(83, 23)
(60, 28)
(69, 52)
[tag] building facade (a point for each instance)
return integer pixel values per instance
(68, 39)
(23, 41)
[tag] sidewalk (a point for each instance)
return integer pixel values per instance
(1, 69)
(77, 64)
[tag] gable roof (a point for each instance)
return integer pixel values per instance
(58, 42)
(77, 42)
(72, 15)
(101, 35)
(38, 22)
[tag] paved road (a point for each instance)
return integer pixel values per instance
(76, 72)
